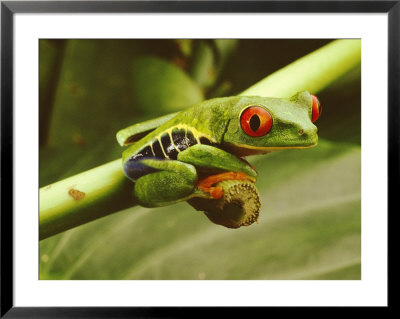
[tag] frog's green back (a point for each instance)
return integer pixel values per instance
(208, 117)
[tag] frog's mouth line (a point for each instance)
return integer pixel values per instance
(273, 148)
(245, 150)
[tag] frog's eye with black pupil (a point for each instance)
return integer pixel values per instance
(316, 108)
(255, 121)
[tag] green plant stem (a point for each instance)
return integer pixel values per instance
(105, 190)
(83, 197)
(312, 72)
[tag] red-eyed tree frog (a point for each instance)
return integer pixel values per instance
(174, 156)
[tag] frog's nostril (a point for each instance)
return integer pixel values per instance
(301, 132)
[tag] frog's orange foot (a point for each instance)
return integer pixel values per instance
(216, 192)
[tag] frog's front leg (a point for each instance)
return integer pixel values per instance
(174, 182)
(215, 159)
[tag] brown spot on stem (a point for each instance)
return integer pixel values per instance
(75, 194)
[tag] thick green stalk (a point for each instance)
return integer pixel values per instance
(105, 190)
(312, 72)
(83, 197)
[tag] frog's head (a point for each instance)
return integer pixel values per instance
(260, 125)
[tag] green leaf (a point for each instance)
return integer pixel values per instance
(208, 60)
(161, 87)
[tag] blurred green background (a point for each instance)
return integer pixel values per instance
(310, 223)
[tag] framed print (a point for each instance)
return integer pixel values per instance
(163, 155)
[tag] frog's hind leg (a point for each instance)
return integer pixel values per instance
(173, 181)
(216, 192)
(213, 158)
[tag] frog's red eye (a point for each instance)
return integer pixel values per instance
(316, 108)
(256, 121)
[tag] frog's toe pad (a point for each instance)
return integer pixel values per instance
(206, 184)
(216, 192)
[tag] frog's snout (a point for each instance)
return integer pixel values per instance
(309, 134)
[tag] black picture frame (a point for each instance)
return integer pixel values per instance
(9, 8)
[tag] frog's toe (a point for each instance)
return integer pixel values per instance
(216, 192)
